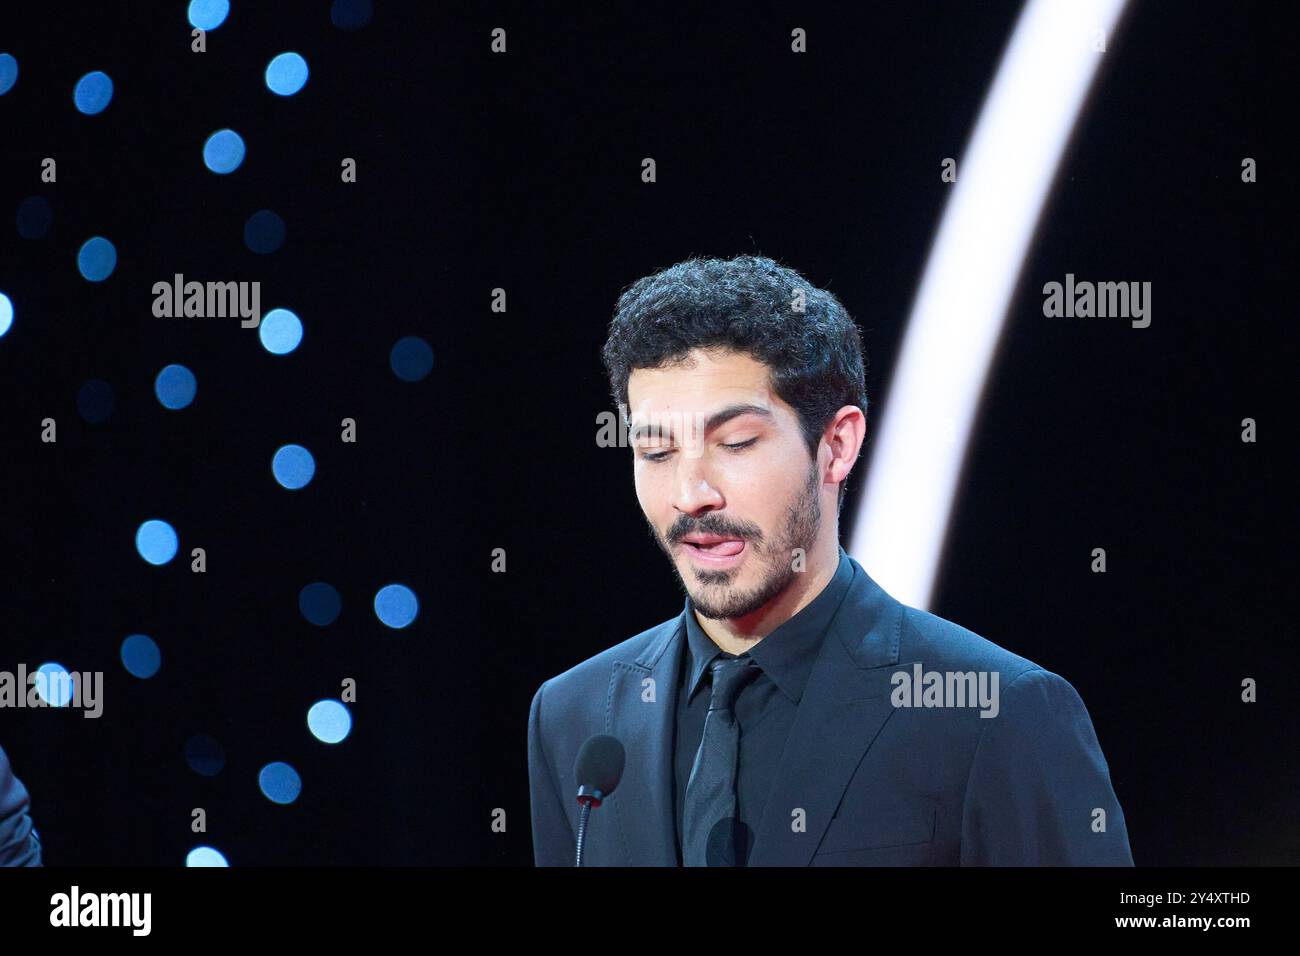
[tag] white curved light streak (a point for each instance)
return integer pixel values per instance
(960, 307)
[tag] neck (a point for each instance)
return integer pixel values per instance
(736, 635)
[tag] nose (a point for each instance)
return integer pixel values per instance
(693, 493)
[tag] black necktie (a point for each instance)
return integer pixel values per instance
(709, 824)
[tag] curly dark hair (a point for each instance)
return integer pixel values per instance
(745, 304)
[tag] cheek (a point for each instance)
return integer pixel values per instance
(654, 494)
(644, 483)
(756, 477)
(762, 487)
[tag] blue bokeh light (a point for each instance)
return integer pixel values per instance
(286, 74)
(205, 856)
(175, 386)
(350, 14)
(205, 755)
(208, 14)
(280, 331)
(8, 72)
(396, 605)
(96, 259)
(95, 401)
(264, 232)
(156, 541)
(329, 721)
(34, 217)
(141, 656)
(93, 93)
(53, 684)
(223, 151)
(6, 314)
(279, 782)
(411, 358)
(293, 466)
(320, 603)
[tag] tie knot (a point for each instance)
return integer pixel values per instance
(730, 675)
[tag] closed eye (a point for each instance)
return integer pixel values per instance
(735, 449)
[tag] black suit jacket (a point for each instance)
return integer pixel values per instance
(863, 781)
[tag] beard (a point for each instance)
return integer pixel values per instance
(717, 597)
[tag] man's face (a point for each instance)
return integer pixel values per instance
(762, 496)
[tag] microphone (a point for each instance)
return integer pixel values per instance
(597, 771)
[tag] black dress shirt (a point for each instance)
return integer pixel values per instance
(765, 708)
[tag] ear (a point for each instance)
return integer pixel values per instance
(845, 434)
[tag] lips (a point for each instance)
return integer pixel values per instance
(714, 544)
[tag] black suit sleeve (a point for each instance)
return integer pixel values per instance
(18, 843)
(1040, 792)
(554, 843)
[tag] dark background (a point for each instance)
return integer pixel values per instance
(523, 172)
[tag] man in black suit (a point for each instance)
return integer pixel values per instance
(19, 845)
(794, 713)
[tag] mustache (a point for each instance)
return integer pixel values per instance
(679, 531)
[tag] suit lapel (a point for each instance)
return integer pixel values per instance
(643, 802)
(843, 708)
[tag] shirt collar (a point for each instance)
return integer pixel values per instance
(787, 654)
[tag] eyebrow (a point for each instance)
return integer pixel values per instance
(720, 417)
